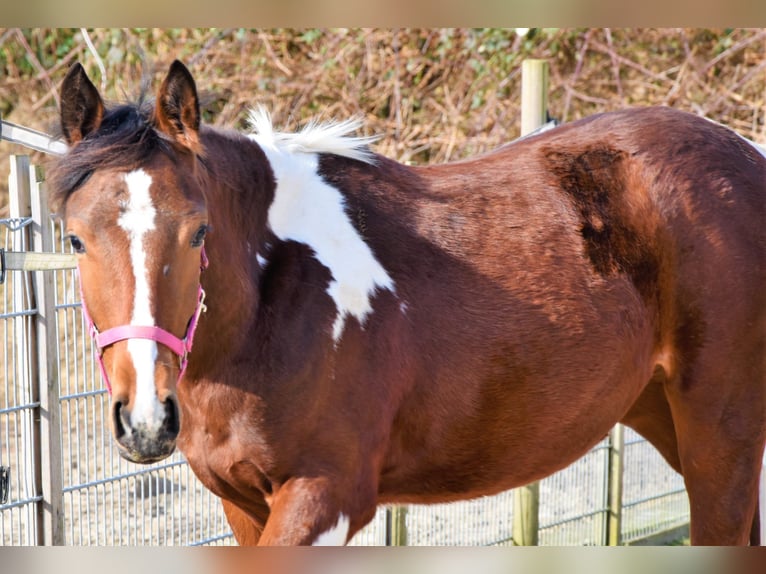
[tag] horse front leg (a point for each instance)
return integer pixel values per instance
(316, 511)
(247, 529)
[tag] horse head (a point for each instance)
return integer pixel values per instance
(131, 194)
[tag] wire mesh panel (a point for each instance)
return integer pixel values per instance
(480, 522)
(375, 533)
(572, 507)
(108, 500)
(654, 498)
(573, 501)
(19, 493)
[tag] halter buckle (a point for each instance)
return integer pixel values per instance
(202, 306)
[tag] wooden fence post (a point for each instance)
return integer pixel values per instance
(534, 95)
(534, 113)
(47, 370)
(396, 526)
(613, 519)
(526, 510)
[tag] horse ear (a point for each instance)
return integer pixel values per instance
(177, 111)
(81, 106)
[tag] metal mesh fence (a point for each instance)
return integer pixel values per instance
(654, 497)
(573, 502)
(375, 533)
(481, 522)
(19, 494)
(572, 507)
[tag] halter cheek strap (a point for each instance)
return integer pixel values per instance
(181, 347)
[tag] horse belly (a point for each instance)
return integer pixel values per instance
(506, 411)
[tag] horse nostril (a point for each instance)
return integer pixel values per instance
(172, 423)
(119, 426)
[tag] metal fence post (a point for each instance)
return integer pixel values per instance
(534, 113)
(51, 509)
(613, 518)
(20, 209)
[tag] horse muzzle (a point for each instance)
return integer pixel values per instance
(146, 442)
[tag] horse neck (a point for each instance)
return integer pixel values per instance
(239, 189)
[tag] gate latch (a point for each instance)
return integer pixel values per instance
(5, 478)
(2, 265)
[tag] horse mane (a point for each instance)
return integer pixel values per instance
(315, 137)
(125, 138)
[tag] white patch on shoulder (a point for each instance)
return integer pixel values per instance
(335, 536)
(137, 220)
(308, 210)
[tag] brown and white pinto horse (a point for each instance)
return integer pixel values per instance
(381, 333)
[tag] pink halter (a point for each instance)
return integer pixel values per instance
(181, 347)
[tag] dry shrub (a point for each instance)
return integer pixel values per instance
(432, 94)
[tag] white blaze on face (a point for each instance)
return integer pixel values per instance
(308, 210)
(335, 536)
(137, 220)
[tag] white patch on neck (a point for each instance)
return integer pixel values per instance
(336, 536)
(137, 220)
(308, 210)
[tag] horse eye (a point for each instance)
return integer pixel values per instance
(76, 243)
(199, 236)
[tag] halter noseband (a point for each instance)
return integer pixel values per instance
(181, 347)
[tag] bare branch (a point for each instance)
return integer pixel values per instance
(38, 66)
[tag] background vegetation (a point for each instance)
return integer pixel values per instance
(433, 94)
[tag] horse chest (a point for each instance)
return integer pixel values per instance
(226, 449)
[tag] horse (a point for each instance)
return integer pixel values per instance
(366, 332)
